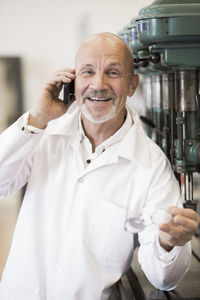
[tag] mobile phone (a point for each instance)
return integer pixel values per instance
(68, 92)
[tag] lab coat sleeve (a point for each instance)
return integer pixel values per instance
(17, 146)
(163, 269)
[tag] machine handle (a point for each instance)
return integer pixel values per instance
(197, 102)
(190, 204)
(147, 122)
(150, 123)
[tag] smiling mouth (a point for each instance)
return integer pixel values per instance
(99, 99)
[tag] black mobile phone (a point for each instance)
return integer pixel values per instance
(68, 92)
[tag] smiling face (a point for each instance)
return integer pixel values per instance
(103, 78)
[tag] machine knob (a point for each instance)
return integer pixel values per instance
(136, 60)
(155, 58)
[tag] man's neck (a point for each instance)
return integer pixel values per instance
(98, 133)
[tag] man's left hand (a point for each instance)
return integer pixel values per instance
(180, 230)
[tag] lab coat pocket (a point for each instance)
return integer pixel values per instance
(107, 239)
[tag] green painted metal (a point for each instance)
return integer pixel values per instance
(172, 28)
(165, 8)
(187, 152)
(134, 42)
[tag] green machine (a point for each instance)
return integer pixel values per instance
(155, 77)
(170, 29)
(141, 61)
(165, 42)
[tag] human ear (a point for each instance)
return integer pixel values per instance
(134, 81)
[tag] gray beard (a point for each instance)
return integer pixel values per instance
(98, 119)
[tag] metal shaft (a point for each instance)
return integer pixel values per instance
(188, 179)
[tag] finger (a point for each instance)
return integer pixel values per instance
(174, 236)
(186, 224)
(68, 73)
(59, 85)
(186, 212)
(59, 78)
(68, 70)
(52, 83)
(62, 76)
(65, 74)
(174, 232)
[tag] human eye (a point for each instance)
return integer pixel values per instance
(87, 72)
(114, 72)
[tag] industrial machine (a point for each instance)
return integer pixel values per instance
(165, 42)
(171, 31)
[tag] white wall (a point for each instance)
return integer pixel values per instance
(47, 33)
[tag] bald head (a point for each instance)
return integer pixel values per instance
(107, 39)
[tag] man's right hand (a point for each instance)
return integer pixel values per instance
(48, 106)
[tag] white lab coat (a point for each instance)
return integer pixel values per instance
(73, 237)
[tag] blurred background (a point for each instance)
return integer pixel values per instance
(38, 38)
(46, 34)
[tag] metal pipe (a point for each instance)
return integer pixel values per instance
(188, 186)
(156, 91)
(187, 88)
(168, 96)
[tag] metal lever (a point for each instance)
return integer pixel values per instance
(188, 185)
(197, 102)
(150, 123)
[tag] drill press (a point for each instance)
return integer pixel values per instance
(158, 87)
(171, 31)
(165, 42)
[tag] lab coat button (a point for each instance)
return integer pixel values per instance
(80, 180)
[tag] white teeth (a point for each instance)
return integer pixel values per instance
(99, 99)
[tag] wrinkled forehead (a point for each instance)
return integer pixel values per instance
(110, 49)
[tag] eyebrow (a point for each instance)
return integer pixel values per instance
(110, 65)
(114, 65)
(86, 65)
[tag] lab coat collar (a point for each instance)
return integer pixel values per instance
(133, 147)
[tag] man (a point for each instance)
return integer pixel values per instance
(90, 175)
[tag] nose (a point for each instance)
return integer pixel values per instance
(99, 81)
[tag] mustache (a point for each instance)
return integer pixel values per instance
(98, 93)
